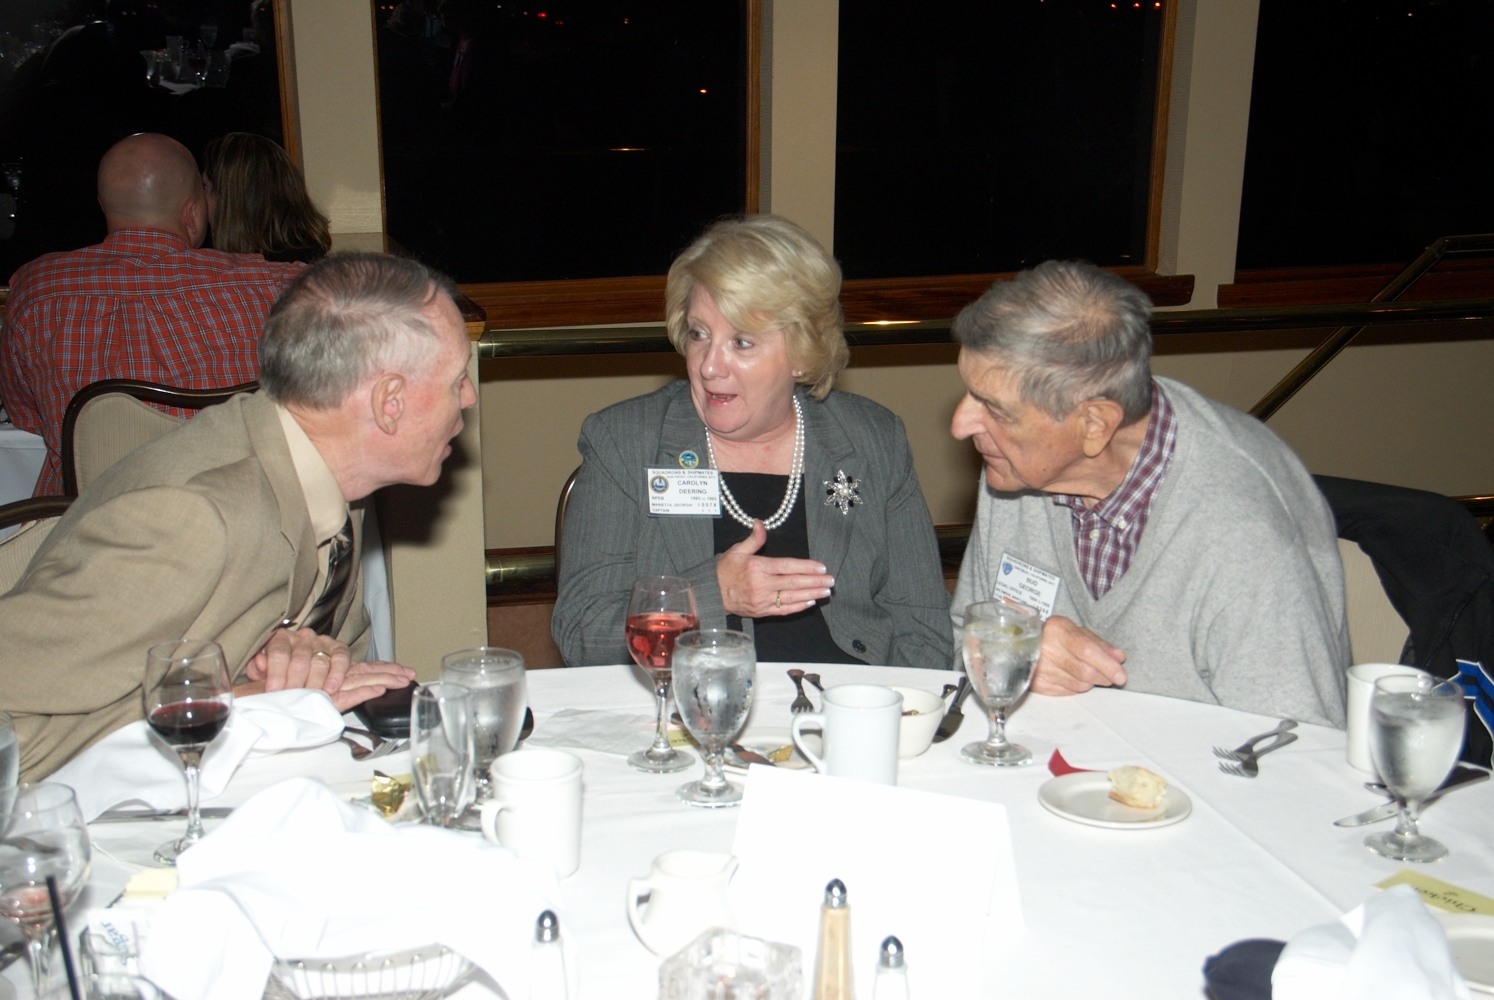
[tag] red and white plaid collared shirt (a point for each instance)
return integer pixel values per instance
(142, 304)
(1107, 534)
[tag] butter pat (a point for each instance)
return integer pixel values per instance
(152, 883)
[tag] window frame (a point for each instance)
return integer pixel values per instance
(640, 299)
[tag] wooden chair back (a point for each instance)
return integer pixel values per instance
(108, 419)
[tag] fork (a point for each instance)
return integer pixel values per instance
(801, 703)
(382, 748)
(1241, 751)
(1247, 767)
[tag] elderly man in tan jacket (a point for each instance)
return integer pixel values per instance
(237, 527)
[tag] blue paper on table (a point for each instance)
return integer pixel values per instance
(798, 830)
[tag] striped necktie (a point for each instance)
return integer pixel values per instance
(339, 572)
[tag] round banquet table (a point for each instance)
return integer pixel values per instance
(1108, 913)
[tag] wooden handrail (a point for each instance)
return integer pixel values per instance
(650, 338)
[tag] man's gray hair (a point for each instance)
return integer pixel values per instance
(1068, 332)
(343, 320)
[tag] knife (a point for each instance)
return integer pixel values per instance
(950, 724)
(155, 815)
(1461, 776)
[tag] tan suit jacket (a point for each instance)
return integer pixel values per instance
(202, 533)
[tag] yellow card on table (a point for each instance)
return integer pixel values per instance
(1440, 895)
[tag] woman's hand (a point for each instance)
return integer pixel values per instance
(754, 586)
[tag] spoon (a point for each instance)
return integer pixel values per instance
(815, 680)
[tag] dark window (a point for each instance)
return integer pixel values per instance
(1369, 130)
(550, 139)
(73, 82)
(975, 136)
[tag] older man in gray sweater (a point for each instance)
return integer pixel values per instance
(1176, 546)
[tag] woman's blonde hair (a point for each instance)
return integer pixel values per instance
(260, 204)
(765, 273)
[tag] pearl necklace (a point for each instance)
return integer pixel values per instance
(796, 472)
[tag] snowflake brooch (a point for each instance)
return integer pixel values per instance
(842, 492)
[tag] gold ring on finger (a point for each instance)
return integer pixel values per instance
(778, 599)
(320, 653)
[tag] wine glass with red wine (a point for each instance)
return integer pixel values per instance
(660, 608)
(187, 697)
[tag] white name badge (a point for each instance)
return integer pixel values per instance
(683, 491)
(1027, 584)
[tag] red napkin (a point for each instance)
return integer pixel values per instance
(1059, 767)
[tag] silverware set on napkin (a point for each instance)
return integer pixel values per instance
(1243, 760)
(378, 745)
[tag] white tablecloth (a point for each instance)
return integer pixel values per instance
(1109, 914)
(21, 456)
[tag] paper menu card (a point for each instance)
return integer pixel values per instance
(798, 830)
(1439, 894)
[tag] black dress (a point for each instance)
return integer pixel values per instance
(798, 638)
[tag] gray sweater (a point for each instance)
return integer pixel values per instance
(1235, 595)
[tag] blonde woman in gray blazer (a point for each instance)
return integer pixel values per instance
(824, 550)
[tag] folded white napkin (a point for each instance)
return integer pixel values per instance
(296, 872)
(588, 729)
(1389, 947)
(130, 764)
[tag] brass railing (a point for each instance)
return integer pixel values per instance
(531, 572)
(1339, 339)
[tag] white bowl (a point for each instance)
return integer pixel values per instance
(917, 731)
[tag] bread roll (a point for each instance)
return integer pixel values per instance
(1137, 787)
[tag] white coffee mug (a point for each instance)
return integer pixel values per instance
(535, 810)
(860, 723)
(686, 895)
(1361, 686)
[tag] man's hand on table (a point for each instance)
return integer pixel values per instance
(1074, 659)
(300, 658)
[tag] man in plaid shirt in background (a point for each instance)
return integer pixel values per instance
(145, 304)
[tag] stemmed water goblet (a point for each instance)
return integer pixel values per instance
(1416, 731)
(187, 696)
(659, 610)
(1001, 641)
(713, 671)
(442, 748)
(44, 834)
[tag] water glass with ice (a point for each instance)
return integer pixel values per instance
(713, 671)
(1416, 732)
(495, 677)
(1001, 642)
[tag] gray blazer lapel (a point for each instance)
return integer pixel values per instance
(685, 537)
(827, 450)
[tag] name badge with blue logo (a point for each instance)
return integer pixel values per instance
(683, 491)
(1026, 584)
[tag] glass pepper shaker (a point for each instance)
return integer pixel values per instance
(892, 972)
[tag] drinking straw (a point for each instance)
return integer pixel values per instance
(67, 949)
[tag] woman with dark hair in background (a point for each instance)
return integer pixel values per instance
(257, 201)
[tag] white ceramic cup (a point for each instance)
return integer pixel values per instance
(1361, 687)
(535, 810)
(686, 895)
(861, 725)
